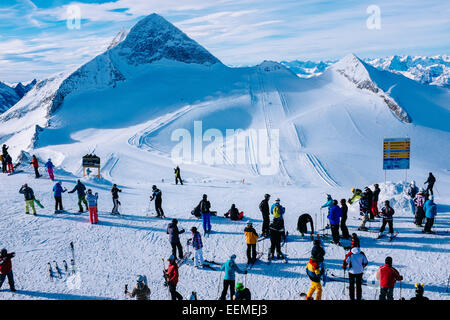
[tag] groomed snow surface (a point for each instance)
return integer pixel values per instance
(112, 253)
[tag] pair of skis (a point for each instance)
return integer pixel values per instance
(381, 235)
(57, 273)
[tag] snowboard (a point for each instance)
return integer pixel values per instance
(38, 203)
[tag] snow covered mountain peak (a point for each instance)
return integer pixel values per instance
(118, 38)
(353, 69)
(154, 38)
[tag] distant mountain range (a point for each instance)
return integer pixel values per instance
(10, 94)
(433, 70)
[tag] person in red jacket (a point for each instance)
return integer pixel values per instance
(6, 268)
(35, 164)
(172, 278)
(387, 275)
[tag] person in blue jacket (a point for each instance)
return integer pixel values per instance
(57, 193)
(335, 217)
(430, 213)
(328, 205)
(230, 267)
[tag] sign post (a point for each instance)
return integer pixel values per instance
(396, 154)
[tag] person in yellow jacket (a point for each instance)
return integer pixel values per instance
(252, 238)
(357, 194)
(315, 271)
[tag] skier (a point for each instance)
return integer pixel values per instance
(178, 175)
(328, 204)
(172, 278)
(419, 201)
(6, 268)
(57, 193)
(9, 164)
(369, 196)
(4, 150)
(419, 293)
(356, 261)
(387, 275)
(315, 271)
(276, 232)
(375, 195)
(387, 212)
(49, 167)
(35, 164)
(242, 293)
(80, 188)
(251, 238)
(430, 181)
(430, 213)
(230, 267)
(334, 217)
(157, 196)
(317, 252)
(197, 244)
(204, 206)
(92, 206)
(264, 208)
(357, 194)
(115, 197)
(233, 213)
(277, 211)
(364, 211)
(344, 228)
(29, 198)
(412, 191)
(302, 224)
(174, 238)
(2, 158)
(141, 291)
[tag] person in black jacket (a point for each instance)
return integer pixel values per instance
(369, 197)
(317, 252)
(157, 196)
(205, 207)
(419, 293)
(387, 212)
(29, 198)
(233, 213)
(430, 181)
(302, 222)
(265, 211)
(178, 175)
(80, 188)
(276, 232)
(115, 197)
(174, 238)
(242, 293)
(375, 195)
(344, 229)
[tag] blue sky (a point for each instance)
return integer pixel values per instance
(36, 42)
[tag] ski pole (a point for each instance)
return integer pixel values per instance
(343, 289)
(218, 284)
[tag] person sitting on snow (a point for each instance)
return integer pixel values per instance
(234, 213)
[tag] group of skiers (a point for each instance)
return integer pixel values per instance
(422, 204)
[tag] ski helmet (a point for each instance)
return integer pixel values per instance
(205, 196)
(171, 258)
(154, 187)
(140, 278)
(388, 261)
(278, 200)
(174, 221)
(419, 288)
(239, 286)
(89, 191)
(352, 190)
(249, 223)
(194, 229)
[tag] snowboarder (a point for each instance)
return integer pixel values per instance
(334, 218)
(419, 293)
(430, 181)
(157, 196)
(230, 267)
(276, 232)
(344, 210)
(141, 291)
(174, 238)
(356, 261)
(264, 208)
(197, 244)
(387, 212)
(364, 211)
(29, 198)
(387, 275)
(430, 213)
(302, 222)
(251, 238)
(49, 167)
(115, 198)
(9, 164)
(375, 196)
(178, 175)
(172, 278)
(57, 193)
(412, 191)
(6, 268)
(80, 188)
(419, 201)
(242, 293)
(315, 271)
(92, 206)
(234, 213)
(35, 164)
(205, 206)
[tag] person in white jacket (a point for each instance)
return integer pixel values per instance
(356, 261)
